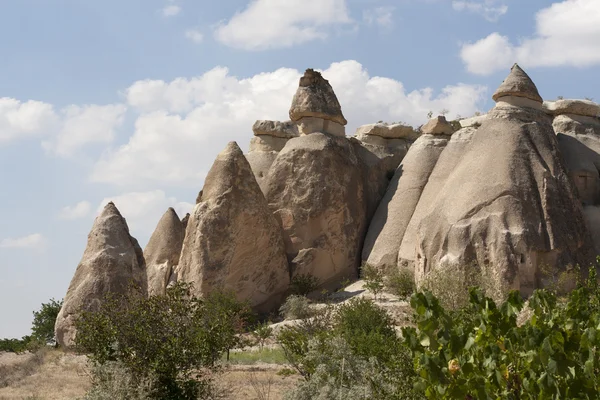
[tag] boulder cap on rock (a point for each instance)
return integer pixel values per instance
(281, 129)
(387, 131)
(518, 84)
(315, 98)
(437, 126)
(585, 108)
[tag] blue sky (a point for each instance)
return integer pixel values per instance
(131, 100)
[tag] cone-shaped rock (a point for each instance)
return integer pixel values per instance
(233, 242)
(162, 251)
(111, 262)
(315, 98)
(518, 84)
(507, 206)
(315, 188)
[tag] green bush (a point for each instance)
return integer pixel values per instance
(262, 332)
(168, 339)
(554, 355)
(296, 307)
(43, 321)
(400, 282)
(303, 284)
(112, 380)
(373, 278)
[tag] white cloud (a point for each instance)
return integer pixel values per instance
(194, 35)
(79, 210)
(381, 16)
(142, 210)
(567, 34)
(491, 10)
(186, 122)
(25, 119)
(171, 10)
(267, 24)
(33, 241)
(84, 125)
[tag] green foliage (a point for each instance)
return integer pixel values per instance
(296, 307)
(262, 332)
(15, 345)
(373, 278)
(268, 356)
(304, 284)
(113, 380)
(488, 356)
(168, 339)
(400, 282)
(44, 319)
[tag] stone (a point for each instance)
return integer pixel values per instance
(585, 108)
(163, 250)
(286, 130)
(315, 189)
(315, 98)
(475, 121)
(437, 126)
(184, 221)
(233, 242)
(111, 261)
(387, 131)
(394, 212)
(518, 84)
(308, 125)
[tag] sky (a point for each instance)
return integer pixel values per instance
(131, 100)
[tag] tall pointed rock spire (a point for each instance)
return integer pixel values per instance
(518, 84)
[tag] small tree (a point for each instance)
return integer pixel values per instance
(303, 284)
(42, 328)
(262, 332)
(373, 279)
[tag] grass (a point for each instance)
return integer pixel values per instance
(267, 356)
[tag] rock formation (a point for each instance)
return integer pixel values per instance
(162, 251)
(111, 261)
(269, 138)
(315, 107)
(507, 204)
(232, 241)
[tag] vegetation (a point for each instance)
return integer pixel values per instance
(172, 341)
(373, 279)
(262, 333)
(296, 307)
(400, 282)
(303, 284)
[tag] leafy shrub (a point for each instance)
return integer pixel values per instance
(43, 321)
(400, 282)
(15, 345)
(168, 339)
(303, 284)
(373, 278)
(553, 355)
(296, 307)
(262, 332)
(113, 380)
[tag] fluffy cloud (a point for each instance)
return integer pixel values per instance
(567, 34)
(25, 119)
(79, 210)
(381, 16)
(491, 10)
(266, 24)
(86, 125)
(33, 241)
(142, 210)
(194, 35)
(183, 124)
(171, 10)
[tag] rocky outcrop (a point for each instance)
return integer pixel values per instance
(270, 137)
(111, 261)
(315, 189)
(386, 131)
(232, 241)
(437, 126)
(508, 204)
(395, 210)
(315, 107)
(162, 251)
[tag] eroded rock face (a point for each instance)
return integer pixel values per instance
(162, 251)
(315, 98)
(233, 242)
(585, 108)
(437, 126)
(387, 131)
(395, 210)
(111, 261)
(286, 129)
(517, 84)
(315, 189)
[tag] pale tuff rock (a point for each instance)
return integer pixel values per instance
(518, 84)
(184, 221)
(286, 130)
(111, 261)
(585, 108)
(394, 212)
(232, 241)
(308, 125)
(387, 131)
(315, 98)
(437, 126)
(475, 121)
(163, 250)
(315, 188)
